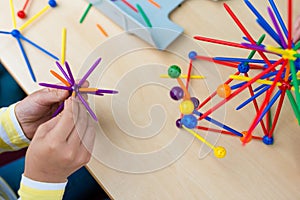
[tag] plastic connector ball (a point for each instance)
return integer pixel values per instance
(176, 93)
(189, 121)
(186, 107)
(193, 55)
(268, 140)
(220, 152)
(243, 67)
(224, 90)
(52, 3)
(174, 71)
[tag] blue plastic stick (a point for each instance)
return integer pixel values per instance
(237, 85)
(270, 104)
(219, 124)
(38, 47)
(268, 75)
(269, 31)
(26, 60)
(241, 60)
(5, 32)
(262, 21)
(252, 98)
(276, 25)
(279, 18)
(260, 87)
(63, 72)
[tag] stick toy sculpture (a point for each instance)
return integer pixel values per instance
(76, 89)
(17, 33)
(276, 77)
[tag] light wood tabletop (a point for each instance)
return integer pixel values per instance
(139, 152)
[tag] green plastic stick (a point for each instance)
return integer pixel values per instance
(295, 83)
(85, 12)
(294, 105)
(146, 19)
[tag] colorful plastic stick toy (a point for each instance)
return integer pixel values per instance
(21, 13)
(187, 107)
(276, 77)
(76, 89)
(16, 33)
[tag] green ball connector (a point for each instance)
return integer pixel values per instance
(174, 71)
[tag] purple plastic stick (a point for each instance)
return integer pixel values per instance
(89, 72)
(283, 43)
(87, 107)
(63, 72)
(255, 47)
(55, 86)
(106, 91)
(58, 110)
(95, 93)
(70, 73)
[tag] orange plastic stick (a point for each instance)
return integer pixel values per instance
(102, 30)
(60, 78)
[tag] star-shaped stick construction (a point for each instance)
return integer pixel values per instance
(76, 89)
(17, 34)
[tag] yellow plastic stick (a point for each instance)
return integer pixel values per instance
(183, 76)
(199, 137)
(63, 45)
(243, 78)
(12, 11)
(34, 18)
(286, 53)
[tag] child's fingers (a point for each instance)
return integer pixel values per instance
(48, 96)
(89, 136)
(47, 126)
(66, 123)
(80, 126)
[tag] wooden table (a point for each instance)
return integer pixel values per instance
(139, 153)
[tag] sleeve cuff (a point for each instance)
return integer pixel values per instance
(30, 190)
(42, 185)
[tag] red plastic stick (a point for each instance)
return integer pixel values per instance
(279, 106)
(189, 74)
(265, 102)
(256, 107)
(223, 132)
(25, 5)
(214, 93)
(223, 42)
(130, 6)
(244, 30)
(229, 64)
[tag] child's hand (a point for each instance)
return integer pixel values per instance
(296, 31)
(38, 108)
(62, 145)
